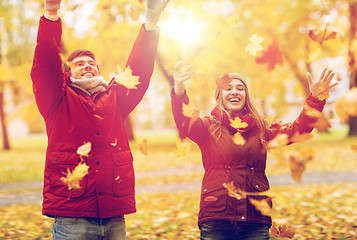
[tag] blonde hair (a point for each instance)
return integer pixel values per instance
(249, 107)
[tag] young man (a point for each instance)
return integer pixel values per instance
(78, 107)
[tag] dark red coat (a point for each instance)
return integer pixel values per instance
(73, 118)
(225, 161)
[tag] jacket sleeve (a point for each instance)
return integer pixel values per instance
(302, 125)
(46, 72)
(197, 132)
(141, 61)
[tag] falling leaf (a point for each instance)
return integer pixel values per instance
(312, 112)
(210, 199)
(71, 65)
(144, 147)
(322, 124)
(238, 139)
(238, 124)
(262, 206)
(297, 167)
(233, 21)
(273, 120)
(354, 147)
(282, 231)
(233, 191)
(126, 78)
(84, 149)
(280, 140)
(99, 117)
(300, 137)
(117, 178)
(346, 106)
(134, 13)
(182, 147)
(321, 36)
(191, 112)
(223, 81)
(73, 179)
(114, 143)
(254, 45)
(272, 56)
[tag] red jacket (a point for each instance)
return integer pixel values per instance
(73, 118)
(225, 161)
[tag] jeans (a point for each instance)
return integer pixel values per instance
(65, 228)
(227, 230)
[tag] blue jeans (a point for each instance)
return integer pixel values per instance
(65, 228)
(227, 230)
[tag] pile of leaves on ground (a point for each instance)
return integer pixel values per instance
(312, 211)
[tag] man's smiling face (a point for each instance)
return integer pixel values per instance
(85, 67)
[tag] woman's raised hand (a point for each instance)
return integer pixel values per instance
(183, 72)
(321, 87)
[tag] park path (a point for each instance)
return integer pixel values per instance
(30, 192)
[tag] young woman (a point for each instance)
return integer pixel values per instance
(221, 216)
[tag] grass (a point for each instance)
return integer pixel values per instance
(25, 161)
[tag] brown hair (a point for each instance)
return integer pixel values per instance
(249, 107)
(77, 53)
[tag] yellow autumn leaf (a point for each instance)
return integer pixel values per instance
(84, 149)
(71, 65)
(262, 206)
(237, 123)
(191, 112)
(182, 147)
(254, 44)
(126, 78)
(73, 179)
(238, 139)
(144, 147)
(233, 21)
(354, 147)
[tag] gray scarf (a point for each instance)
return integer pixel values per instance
(90, 85)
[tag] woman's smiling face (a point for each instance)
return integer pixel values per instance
(234, 97)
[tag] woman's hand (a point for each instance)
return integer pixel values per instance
(154, 8)
(183, 72)
(320, 88)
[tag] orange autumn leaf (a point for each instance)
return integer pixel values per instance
(233, 191)
(322, 124)
(210, 199)
(237, 123)
(272, 56)
(280, 140)
(73, 179)
(191, 112)
(262, 206)
(321, 36)
(312, 112)
(354, 147)
(238, 139)
(84, 149)
(297, 167)
(223, 81)
(282, 231)
(126, 78)
(300, 137)
(144, 147)
(273, 120)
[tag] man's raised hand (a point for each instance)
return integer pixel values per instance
(154, 8)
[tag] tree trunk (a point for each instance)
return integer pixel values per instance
(352, 62)
(6, 145)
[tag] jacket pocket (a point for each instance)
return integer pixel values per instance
(214, 196)
(124, 178)
(61, 164)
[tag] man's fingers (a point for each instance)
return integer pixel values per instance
(309, 78)
(323, 73)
